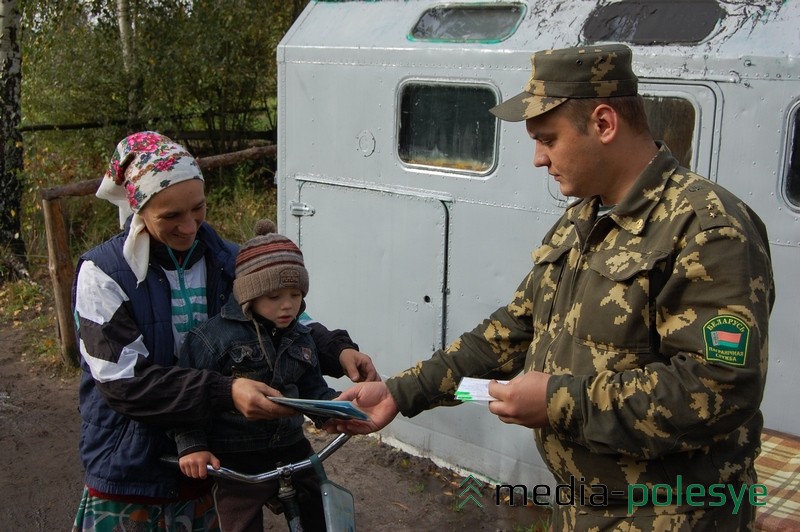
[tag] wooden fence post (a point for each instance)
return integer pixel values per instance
(59, 263)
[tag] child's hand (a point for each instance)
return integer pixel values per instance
(194, 464)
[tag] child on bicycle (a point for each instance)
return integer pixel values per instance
(257, 335)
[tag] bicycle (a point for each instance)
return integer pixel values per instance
(337, 501)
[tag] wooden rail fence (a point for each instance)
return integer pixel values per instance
(59, 258)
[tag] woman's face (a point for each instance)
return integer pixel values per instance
(174, 215)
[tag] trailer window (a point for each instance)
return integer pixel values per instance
(447, 126)
(484, 23)
(793, 170)
(653, 22)
(672, 120)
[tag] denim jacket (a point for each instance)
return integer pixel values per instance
(233, 344)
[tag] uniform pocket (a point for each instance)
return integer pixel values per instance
(547, 254)
(615, 298)
(623, 266)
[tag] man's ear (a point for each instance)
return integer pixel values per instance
(604, 122)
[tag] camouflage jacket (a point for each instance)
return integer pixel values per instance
(652, 321)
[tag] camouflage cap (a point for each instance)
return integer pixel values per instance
(582, 72)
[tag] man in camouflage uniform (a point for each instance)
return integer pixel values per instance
(642, 327)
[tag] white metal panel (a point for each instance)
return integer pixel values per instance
(751, 165)
(376, 262)
(747, 44)
(340, 68)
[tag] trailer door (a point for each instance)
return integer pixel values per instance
(368, 249)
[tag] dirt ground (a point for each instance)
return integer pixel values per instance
(42, 476)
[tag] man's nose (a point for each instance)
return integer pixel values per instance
(540, 158)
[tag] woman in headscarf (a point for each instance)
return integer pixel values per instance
(135, 297)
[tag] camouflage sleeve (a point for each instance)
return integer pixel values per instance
(496, 348)
(712, 320)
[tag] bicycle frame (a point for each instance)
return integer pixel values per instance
(283, 473)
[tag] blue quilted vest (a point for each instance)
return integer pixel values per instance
(120, 455)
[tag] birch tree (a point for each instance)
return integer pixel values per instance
(12, 247)
(132, 76)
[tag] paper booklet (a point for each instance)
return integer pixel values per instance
(320, 407)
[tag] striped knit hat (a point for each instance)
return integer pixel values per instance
(268, 263)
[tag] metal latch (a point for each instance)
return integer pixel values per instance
(298, 208)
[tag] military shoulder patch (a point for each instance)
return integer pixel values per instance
(726, 339)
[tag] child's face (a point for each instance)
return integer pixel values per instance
(280, 307)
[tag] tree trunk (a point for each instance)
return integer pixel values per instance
(12, 246)
(132, 76)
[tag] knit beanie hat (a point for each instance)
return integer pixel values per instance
(268, 263)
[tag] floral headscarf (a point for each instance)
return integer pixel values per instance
(142, 165)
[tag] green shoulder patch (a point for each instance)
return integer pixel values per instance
(726, 339)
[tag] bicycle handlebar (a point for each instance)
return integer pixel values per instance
(280, 471)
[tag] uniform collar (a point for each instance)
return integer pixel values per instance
(633, 212)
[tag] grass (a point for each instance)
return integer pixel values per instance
(541, 526)
(234, 210)
(418, 487)
(27, 306)
(456, 507)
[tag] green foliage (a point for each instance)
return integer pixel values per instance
(219, 67)
(54, 158)
(200, 65)
(197, 65)
(234, 209)
(71, 65)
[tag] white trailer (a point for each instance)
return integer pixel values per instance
(417, 210)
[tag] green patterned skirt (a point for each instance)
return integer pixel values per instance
(102, 515)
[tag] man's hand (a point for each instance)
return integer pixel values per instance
(522, 401)
(375, 400)
(250, 398)
(194, 464)
(358, 366)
